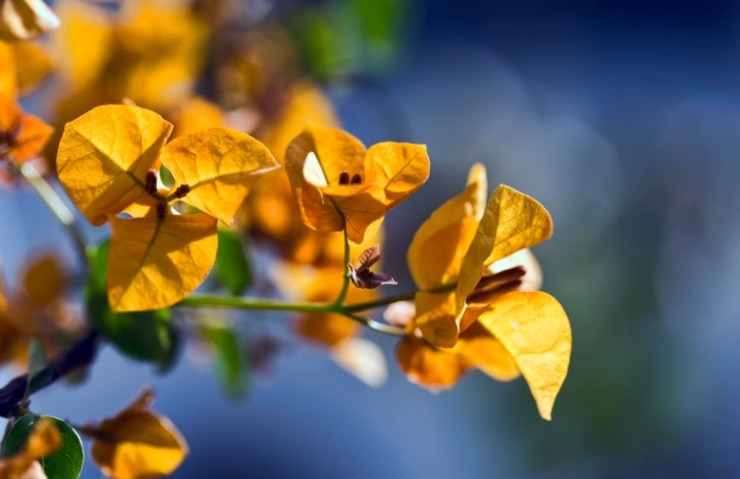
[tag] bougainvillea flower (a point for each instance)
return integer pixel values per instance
(362, 277)
(270, 208)
(108, 161)
(460, 240)
(338, 184)
(470, 311)
(22, 136)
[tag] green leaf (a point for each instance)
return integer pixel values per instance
(232, 268)
(231, 362)
(64, 463)
(37, 361)
(149, 336)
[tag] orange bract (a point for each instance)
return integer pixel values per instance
(22, 136)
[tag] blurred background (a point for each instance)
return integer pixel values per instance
(623, 119)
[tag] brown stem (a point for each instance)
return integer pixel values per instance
(81, 354)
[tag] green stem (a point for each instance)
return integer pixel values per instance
(253, 304)
(258, 304)
(353, 308)
(375, 325)
(342, 296)
(57, 205)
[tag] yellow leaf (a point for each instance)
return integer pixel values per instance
(429, 367)
(512, 221)
(218, 165)
(155, 262)
(25, 19)
(535, 330)
(104, 157)
(138, 443)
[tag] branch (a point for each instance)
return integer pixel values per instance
(81, 354)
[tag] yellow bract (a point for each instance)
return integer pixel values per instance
(338, 185)
(155, 262)
(501, 332)
(533, 327)
(25, 19)
(438, 368)
(138, 443)
(22, 66)
(108, 162)
(218, 165)
(452, 248)
(105, 155)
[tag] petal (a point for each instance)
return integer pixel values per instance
(218, 165)
(512, 221)
(155, 262)
(104, 157)
(399, 168)
(533, 327)
(438, 247)
(429, 367)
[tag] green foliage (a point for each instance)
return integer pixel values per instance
(230, 359)
(64, 463)
(232, 268)
(148, 336)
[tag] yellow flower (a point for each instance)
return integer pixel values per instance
(480, 315)
(452, 249)
(338, 184)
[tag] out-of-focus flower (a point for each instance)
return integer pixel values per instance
(25, 19)
(22, 136)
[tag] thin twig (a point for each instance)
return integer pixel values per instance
(81, 354)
